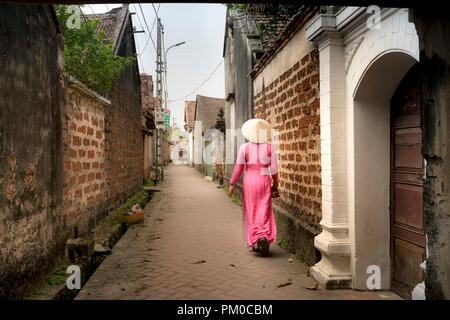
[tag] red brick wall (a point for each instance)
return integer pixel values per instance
(291, 104)
(124, 147)
(84, 177)
(103, 156)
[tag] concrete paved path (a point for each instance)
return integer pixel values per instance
(190, 246)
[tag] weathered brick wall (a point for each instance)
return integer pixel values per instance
(123, 143)
(32, 224)
(291, 104)
(84, 181)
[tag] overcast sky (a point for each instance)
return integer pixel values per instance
(202, 27)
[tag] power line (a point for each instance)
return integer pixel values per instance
(153, 25)
(82, 13)
(148, 29)
(142, 27)
(90, 8)
(201, 85)
(139, 55)
(157, 11)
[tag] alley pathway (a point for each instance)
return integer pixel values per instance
(190, 246)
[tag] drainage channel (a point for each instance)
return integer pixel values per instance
(85, 255)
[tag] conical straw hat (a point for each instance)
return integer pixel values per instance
(256, 130)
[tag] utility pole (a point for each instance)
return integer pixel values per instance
(159, 109)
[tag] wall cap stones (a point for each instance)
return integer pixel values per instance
(80, 87)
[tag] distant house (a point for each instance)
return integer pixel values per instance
(178, 140)
(208, 150)
(189, 116)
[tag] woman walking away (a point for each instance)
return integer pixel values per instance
(261, 167)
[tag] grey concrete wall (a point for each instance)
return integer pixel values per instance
(433, 28)
(32, 225)
(238, 64)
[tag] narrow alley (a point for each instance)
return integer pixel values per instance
(138, 140)
(190, 246)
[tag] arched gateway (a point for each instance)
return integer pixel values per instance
(371, 159)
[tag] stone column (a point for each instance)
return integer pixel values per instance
(333, 270)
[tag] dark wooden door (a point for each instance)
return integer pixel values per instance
(407, 172)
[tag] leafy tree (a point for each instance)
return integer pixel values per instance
(89, 54)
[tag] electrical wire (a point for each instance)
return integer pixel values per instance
(153, 26)
(142, 27)
(155, 9)
(82, 13)
(139, 55)
(201, 85)
(148, 29)
(163, 47)
(137, 46)
(90, 8)
(154, 21)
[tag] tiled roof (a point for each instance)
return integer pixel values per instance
(267, 38)
(189, 114)
(109, 21)
(207, 108)
(272, 39)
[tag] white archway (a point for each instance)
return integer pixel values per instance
(369, 224)
(380, 62)
(359, 71)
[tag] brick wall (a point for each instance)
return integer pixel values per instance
(84, 178)
(291, 104)
(103, 153)
(32, 228)
(123, 142)
(147, 92)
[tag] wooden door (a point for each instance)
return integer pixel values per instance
(407, 171)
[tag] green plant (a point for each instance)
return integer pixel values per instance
(140, 198)
(88, 54)
(150, 182)
(235, 199)
(285, 245)
(308, 271)
(58, 277)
